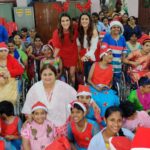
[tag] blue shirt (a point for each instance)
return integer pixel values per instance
(3, 34)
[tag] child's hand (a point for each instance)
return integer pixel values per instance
(29, 120)
(84, 58)
(9, 137)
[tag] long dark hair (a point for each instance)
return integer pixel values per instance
(111, 110)
(81, 30)
(60, 28)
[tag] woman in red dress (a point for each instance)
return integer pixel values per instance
(64, 42)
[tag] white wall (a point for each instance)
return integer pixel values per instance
(95, 7)
(133, 7)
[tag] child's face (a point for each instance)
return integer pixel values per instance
(133, 38)
(77, 115)
(146, 47)
(105, 21)
(114, 122)
(84, 99)
(11, 47)
(109, 57)
(39, 116)
(17, 39)
(47, 52)
(38, 42)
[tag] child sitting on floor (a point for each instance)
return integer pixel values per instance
(10, 126)
(38, 134)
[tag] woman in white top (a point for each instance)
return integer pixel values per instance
(55, 94)
(87, 41)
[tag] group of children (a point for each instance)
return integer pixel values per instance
(85, 121)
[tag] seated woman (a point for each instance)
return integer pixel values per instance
(55, 94)
(114, 120)
(9, 70)
(100, 78)
(141, 96)
(132, 118)
(139, 61)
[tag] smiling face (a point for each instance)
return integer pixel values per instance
(48, 76)
(47, 51)
(11, 47)
(115, 30)
(114, 122)
(39, 116)
(146, 47)
(17, 40)
(85, 21)
(109, 57)
(65, 22)
(77, 115)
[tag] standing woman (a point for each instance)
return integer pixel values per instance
(64, 41)
(87, 41)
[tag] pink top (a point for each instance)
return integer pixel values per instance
(39, 135)
(144, 61)
(142, 119)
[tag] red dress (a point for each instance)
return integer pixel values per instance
(68, 50)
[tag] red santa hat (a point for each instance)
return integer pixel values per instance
(141, 140)
(39, 105)
(146, 39)
(104, 49)
(119, 143)
(102, 34)
(117, 23)
(83, 90)
(71, 105)
(3, 46)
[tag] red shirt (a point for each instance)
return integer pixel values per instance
(102, 76)
(13, 66)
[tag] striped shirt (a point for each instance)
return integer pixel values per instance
(118, 48)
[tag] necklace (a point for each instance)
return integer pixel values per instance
(82, 129)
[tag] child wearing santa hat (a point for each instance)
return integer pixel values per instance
(100, 78)
(38, 134)
(80, 130)
(84, 96)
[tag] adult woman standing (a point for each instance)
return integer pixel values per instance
(64, 42)
(114, 121)
(87, 41)
(55, 94)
